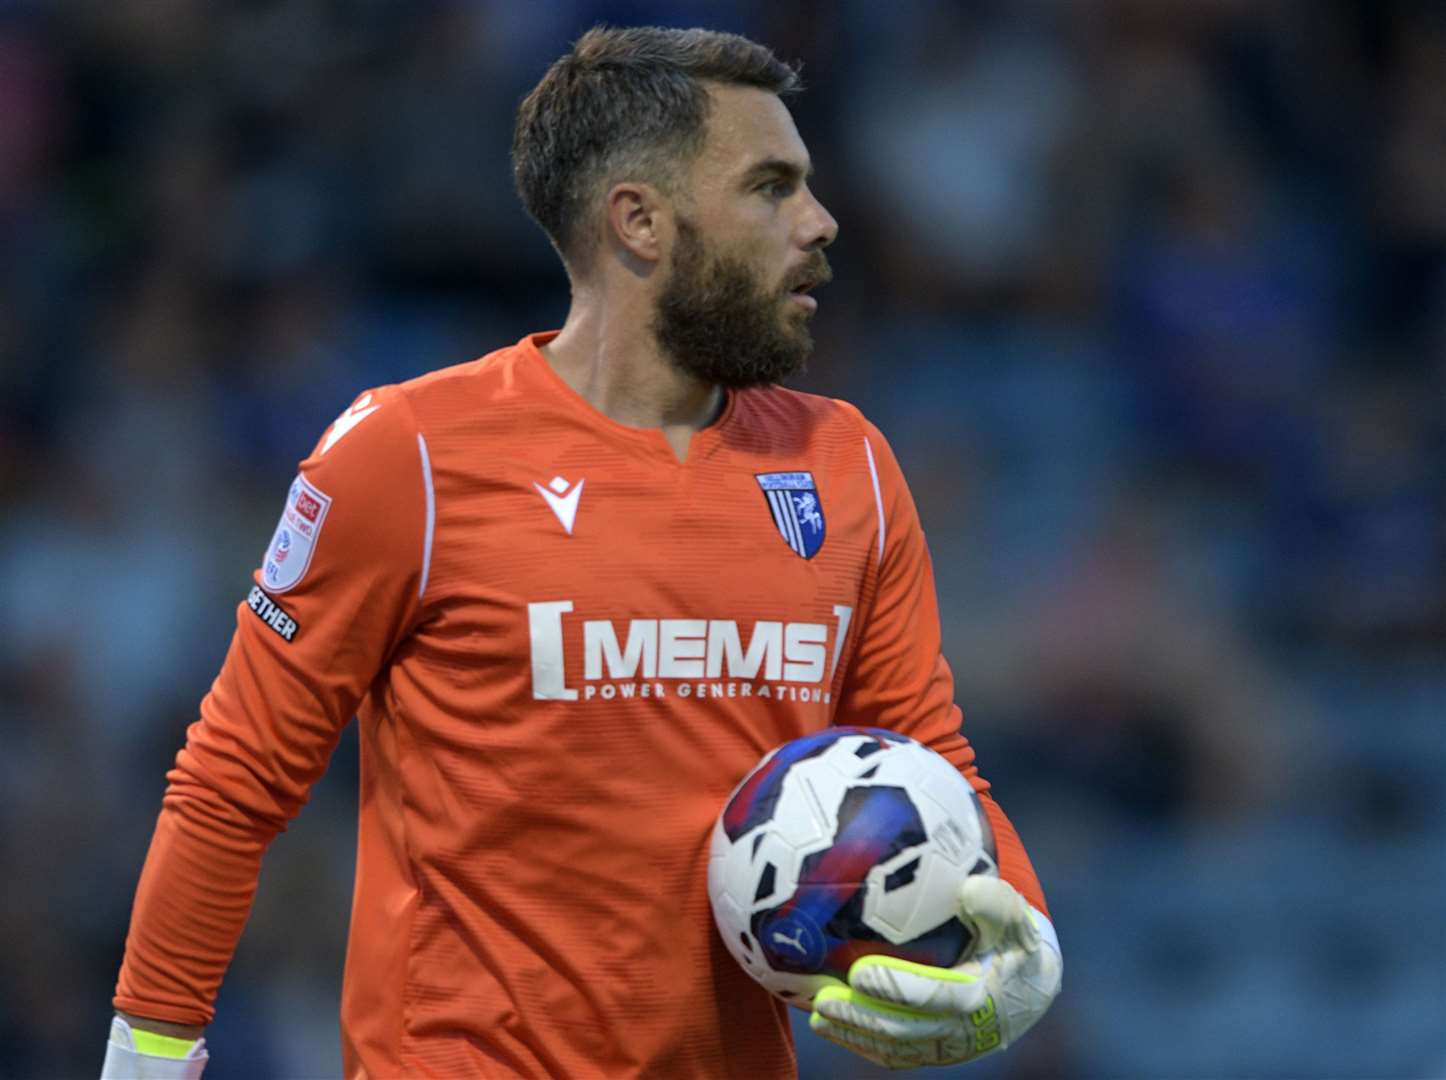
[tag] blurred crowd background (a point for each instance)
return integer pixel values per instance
(1150, 296)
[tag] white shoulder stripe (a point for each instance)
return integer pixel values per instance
(878, 498)
(431, 515)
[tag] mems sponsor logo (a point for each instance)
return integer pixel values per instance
(270, 613)
(703, 658)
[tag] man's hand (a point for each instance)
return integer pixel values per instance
(900, 1014)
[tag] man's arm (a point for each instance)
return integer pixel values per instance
(338, 589)
(897, 676)
(891, 1011)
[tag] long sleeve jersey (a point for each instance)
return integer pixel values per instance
(563, 647)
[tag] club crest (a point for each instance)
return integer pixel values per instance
(797, 512)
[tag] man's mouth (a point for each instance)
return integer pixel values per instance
(811, 280)
(802, 286)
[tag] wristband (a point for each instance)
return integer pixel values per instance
(158, 1045)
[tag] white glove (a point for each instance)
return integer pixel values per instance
(900, 1014)
(142, 1055)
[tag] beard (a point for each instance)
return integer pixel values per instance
(717, 321)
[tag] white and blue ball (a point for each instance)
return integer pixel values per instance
(840, 844)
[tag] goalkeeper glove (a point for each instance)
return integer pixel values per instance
(900, 1014)
(132, 1054)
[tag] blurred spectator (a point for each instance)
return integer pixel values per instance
(960, 153)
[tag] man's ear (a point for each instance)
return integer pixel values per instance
(637, 219)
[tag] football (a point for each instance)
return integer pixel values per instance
(840, 844)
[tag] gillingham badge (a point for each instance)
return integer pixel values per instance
(793, 501)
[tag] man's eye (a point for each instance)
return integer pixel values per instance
(775, 189)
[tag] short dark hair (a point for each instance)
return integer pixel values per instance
(625, 104)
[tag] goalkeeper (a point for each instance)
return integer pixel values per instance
(572, 591)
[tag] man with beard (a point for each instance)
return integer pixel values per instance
(573, 591)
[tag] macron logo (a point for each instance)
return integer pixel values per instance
(348, 420)
(563, 502)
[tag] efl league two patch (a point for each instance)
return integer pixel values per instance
(793, 502)
(295, 538)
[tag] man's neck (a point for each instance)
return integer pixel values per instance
(612, 359)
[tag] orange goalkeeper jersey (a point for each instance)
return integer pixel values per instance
(564, 648)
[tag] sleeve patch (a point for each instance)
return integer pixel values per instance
(294, 541)
(272, 614)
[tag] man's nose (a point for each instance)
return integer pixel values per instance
(818, 228)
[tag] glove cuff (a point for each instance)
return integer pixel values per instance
(124, 1061)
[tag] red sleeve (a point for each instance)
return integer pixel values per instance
(898, 677)
(338, 588)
